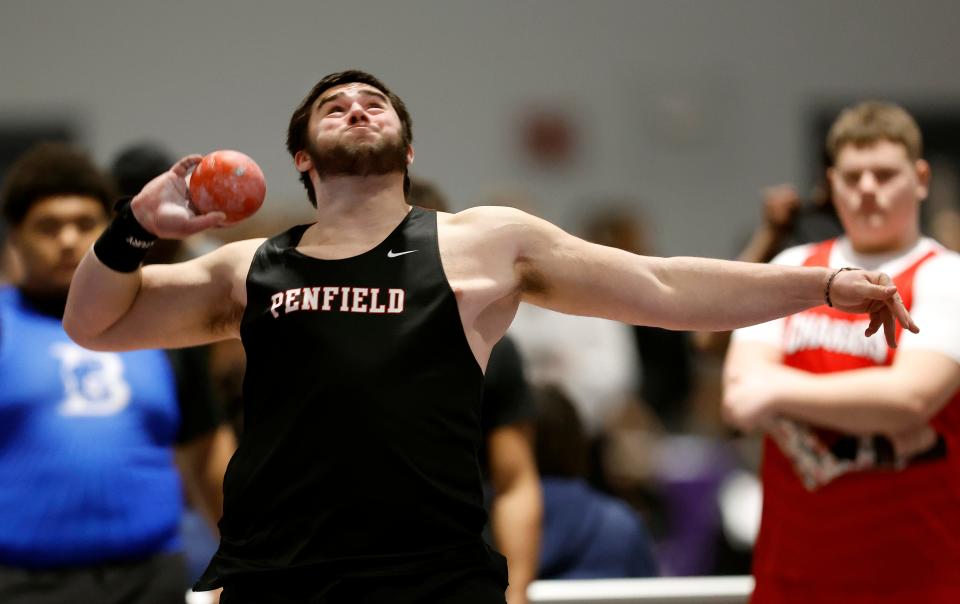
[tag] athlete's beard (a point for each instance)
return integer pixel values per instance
(386, 155)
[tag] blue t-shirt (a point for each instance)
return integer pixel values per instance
(86, 461)
(590, 535)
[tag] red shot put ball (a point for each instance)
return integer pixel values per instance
(228, 182)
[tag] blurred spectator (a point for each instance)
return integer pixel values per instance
(861, 500)
(586, 534)
(506, 456)
(91, 498)
(132, 168)
(595, 361)
(790, 220)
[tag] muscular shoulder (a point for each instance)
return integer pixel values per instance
(497, 228)
(488, 217)
(222, 265)
(235, 256)
(482, 251)
(231, 262)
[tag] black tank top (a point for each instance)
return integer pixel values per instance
(361, 415)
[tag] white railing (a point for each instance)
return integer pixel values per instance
(672, 590)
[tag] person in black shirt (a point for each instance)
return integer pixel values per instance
(367, 334)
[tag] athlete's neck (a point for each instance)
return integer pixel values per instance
(357, 209)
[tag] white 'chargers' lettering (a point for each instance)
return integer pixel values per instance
(809, 331)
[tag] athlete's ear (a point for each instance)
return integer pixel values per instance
(302, 161)
(409, 154)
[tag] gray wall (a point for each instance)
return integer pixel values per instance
(689, 106)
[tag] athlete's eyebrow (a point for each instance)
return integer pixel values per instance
(333, 97)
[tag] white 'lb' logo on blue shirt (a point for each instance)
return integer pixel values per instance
(93, 381)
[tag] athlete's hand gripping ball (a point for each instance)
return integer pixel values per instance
(229, 182)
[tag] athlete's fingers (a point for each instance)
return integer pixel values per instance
(889, 327)
(877, 286)
(897, 308)
(885, 290)
(876, 291)
(876, 321)
(203, 222)
(185, 164)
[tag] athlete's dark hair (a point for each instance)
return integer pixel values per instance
(50, 170)
(297, 130)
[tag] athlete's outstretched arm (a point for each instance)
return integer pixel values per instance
(161, 306)
(559, 271)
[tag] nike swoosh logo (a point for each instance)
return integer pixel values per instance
(392, 254)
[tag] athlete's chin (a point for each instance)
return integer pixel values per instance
(358, 149)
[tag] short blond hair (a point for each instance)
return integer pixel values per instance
(873, 121)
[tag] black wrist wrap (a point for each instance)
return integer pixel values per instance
(124, 244)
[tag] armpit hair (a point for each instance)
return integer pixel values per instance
(227, 321)
(532, 282)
